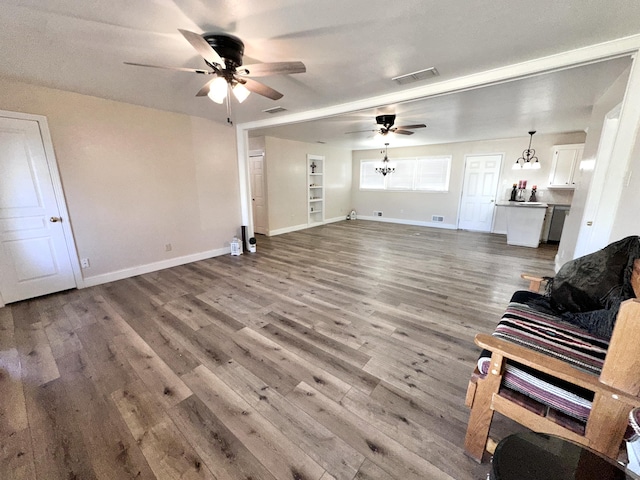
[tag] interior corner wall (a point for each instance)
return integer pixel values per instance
(286, 167)
(571, 230)
(626, 218)
(626, 221)
(136, 179)
(419, 207)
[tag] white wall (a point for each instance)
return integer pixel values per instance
(627, 220)
(574, 222)
(286, 162)
(419, 207)
(136, 179)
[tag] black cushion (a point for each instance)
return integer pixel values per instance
(597, 281)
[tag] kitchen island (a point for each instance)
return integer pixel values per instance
(524, 222)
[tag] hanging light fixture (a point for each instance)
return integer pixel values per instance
(528, 160)
(385, 166)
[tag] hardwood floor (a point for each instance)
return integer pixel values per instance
(341, 351)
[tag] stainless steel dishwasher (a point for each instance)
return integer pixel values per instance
(557, 222)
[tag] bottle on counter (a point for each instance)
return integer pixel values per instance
(514, 192)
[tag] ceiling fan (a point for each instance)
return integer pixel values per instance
(223, 55)
(387, 127)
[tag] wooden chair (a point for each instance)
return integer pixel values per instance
(616, 390)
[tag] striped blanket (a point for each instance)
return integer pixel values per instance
(539, 330)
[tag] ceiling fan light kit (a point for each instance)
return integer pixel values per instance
(218, 90)
(223, 54)
(241, 92)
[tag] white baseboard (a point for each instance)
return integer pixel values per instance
(417, 223)
(152, 267)
(304, 226)
(336, 219)
(295, 228)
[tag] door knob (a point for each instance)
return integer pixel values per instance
(55, 219)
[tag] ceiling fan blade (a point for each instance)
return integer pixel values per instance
(180, 69)
(276, 68)
(202, 47)
(408, 127)
(361, 131)
(402, 132)
(260, 88)
(204, 91)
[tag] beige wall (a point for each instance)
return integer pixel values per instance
(136, 178)
(420, 207)
(286, 169)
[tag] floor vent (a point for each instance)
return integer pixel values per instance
(416, 76)
(437, 218)
(377, 213)
(275, 110)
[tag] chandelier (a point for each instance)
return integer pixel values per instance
(385, 166)
(528, 160)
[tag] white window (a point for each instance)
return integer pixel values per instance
(433, 173)
(425, 174)
(402, 178)
(369, 178)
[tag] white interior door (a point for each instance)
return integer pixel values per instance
(258, 196)
(477, 206)
(34, 259)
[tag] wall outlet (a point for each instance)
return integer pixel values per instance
(377, 213)
(84, 263)
(437, 218)
(168, 247)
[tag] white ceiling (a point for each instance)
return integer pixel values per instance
(351, 49)
(549, 103)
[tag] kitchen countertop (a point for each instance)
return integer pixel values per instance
(522, 204)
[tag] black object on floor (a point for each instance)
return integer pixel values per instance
(535, 456)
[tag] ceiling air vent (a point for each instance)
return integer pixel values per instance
(275, 110)
(416, 76)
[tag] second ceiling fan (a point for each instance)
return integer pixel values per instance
(387, 122)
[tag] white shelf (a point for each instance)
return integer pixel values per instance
(315, 190)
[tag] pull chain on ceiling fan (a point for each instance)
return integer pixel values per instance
(223, 54)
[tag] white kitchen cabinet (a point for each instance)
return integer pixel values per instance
(564, 165)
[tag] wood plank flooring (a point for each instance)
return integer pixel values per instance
(337, 352)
